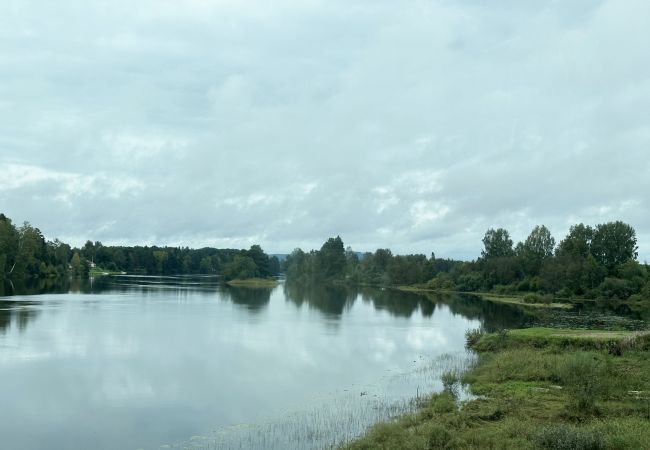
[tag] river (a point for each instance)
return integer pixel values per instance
(132, 362)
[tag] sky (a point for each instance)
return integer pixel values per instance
(413, 125)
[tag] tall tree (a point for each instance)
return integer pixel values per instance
(332, 259)
(8, 245)
(577, 242)
(497, 244)
(261, 260)
(537, 247)
(614, 243)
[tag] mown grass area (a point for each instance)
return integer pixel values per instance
(254, 283)
(573, 392)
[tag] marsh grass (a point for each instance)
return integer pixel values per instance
(332, 421)
(537, 389)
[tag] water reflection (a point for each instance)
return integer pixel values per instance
(331, 300)
(253, 299)
(16, 314)
(139, 362)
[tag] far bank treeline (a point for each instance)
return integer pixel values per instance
(25, 254)
(596, 262)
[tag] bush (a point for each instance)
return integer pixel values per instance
(563, 437)
(524, 285)
(537, 298)
(584, 376)
(564, 293)
(504, 289)
(470, 282)
(615, 289)
(449, 380)
(473, 336)
(441, 282)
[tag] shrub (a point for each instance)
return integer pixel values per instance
(524, 285)
(441, 282)
(585, 378)
(504, 289)
(449, 380)
(616, 289)
(470, 282)
(473, 336)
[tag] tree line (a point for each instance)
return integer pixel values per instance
(591, 261)
(26, 254)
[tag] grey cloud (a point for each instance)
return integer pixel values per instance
(414, 126)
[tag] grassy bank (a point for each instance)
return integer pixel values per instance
(527, 300)
(536, 388)
(98, 271)
(254, 283)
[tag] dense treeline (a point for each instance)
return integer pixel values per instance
(230, 263)
(591, 262)
(25, 254)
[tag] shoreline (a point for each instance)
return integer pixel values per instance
(535, 388)
(254, 283)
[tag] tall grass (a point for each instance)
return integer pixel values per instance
(335, 420)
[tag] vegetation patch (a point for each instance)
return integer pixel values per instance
(538, 388)
(254, 283)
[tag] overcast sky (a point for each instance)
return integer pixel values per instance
(413, 125)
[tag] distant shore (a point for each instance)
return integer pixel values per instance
(254, 283)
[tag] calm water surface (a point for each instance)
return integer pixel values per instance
(181, 362)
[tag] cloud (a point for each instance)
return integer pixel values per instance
(414, 126)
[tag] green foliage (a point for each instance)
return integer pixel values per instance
(537, 298)
(241, 268)
(615, 289)
(577, 243)
(76, 265)
(614, 243)
(441, 282)
(585, 264)
(538, 247)
(584, 376)
(331, 259)
(542, 389)
(449, 380)
(497, 244)
(438, 437)
(472, 336)
(565, 437)
(261, 261)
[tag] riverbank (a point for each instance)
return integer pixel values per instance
(537, 388)
(254, 283)
(531, 300)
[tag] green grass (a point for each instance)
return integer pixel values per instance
(519, 300)
(537, 388)
(612, 341)
(98, 271)
(254, 283)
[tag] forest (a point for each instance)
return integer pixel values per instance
(598, 262)
(25, 254)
